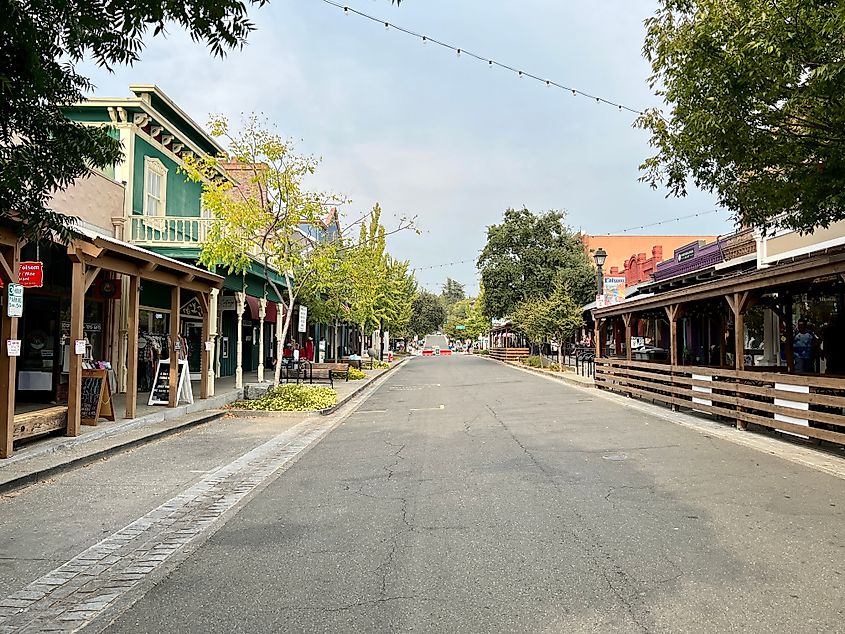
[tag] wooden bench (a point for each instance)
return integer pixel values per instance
(325, 371)
(39, 422)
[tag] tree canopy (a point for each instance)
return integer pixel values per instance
(453, 291)
(553, 318)
(756, 116)
(40, 44)
(466, 313)
(428, 314)
(523, 257)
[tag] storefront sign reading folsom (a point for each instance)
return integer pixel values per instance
(31, 274)
(14, 301)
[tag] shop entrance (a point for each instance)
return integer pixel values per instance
(40, 362)
(192, 331)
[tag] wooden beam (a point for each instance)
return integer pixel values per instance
(804, 271)
(9, 277)
(149, 267)
(628, 334)
(789, 331)
(175, 305)
(10, 257)
(134, 300)
(77, 315)
(739, 332)
(90, 276)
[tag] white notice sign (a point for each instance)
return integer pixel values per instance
(303, 318)
(13, 347)
(79, 346)
(14, 303)
(209, 346)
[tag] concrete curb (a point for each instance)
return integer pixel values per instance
(87, 458)
(251, 413)
(552, 375)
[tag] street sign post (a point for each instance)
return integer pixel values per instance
(14, 301)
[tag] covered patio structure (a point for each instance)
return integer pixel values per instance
(763, 347)
(91, 256)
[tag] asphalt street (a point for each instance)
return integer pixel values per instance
(467, 496)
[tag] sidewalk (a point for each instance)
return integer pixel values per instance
(41, 458)
(568, 376)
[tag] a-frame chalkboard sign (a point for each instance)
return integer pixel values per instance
(95, 400)
(161, 386)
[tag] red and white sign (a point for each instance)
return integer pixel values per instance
(31, 274)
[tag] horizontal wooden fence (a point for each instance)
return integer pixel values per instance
(509, 354)
(803, 405)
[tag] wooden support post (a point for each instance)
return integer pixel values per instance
(627, 318)
(77, 315)
(133, 302)
(173, 395)
(789, 333)
(597, 328)
(205, 353)
(673, 313)
(10, 259)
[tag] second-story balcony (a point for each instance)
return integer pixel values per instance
(169, 231)
(174, 232)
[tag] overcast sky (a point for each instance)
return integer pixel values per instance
(427, 133)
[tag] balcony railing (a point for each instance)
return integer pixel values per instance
(169, 231)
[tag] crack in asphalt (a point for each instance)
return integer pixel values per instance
(632, 606)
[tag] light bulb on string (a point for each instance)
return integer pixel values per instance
(520, 74)
(574, 94)
(387, 25)
(346, 10)
(458, 51)
(490, 64)
(424, 39)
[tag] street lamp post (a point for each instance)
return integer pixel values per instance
(600, 256)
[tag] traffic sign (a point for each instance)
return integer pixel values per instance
(14, 301)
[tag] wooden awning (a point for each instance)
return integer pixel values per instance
(110, 254)
(804, 270)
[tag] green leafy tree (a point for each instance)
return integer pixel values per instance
(452, 292)
(428, 314)
(525, 254)
(259, 221)
(755, 96)
(550, 319)
(41, 43)
(466, 313)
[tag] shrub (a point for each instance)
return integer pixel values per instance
(485, 351)
(535, 362)
(292, 398)
(380, 365)
(355, 374)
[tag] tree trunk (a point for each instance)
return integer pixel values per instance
(335, 343)
(559, 356)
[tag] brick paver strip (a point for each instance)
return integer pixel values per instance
(77, 592)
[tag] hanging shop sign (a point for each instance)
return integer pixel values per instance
(95, 401)
(14, 301)
(160, 394)
(227, 302)
(31, 274)
(303, 318)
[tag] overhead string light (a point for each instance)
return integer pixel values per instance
(666, 221)
(460, 52)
